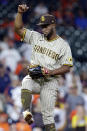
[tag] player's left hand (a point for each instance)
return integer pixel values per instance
(36, 71)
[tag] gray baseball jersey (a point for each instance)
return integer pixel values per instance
(50, 54)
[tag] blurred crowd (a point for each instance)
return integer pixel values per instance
(67, 12)
(70, 111)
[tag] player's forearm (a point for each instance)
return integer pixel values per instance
(18, 22)
(60, 71)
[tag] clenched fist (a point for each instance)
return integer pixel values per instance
(22, 8)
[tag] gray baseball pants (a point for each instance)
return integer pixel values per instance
(48, 93)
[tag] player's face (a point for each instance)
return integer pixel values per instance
(47, 29)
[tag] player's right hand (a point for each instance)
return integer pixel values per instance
(22, 8)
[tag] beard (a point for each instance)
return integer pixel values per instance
(49, 34)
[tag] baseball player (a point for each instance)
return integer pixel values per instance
(51, 57)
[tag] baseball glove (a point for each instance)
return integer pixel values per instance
(36, 71)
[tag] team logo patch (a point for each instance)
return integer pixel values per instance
(70, 59)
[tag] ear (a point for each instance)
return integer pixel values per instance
(53, 25)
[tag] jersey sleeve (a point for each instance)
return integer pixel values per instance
(30, 36)
(66, 56)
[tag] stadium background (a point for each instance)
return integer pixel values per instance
(71, 16)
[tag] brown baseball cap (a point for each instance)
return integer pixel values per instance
(47, 19)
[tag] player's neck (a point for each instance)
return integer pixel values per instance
(53, 36)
